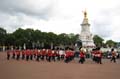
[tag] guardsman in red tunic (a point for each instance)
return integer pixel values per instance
(43, 54)
(49, 55)
(71, 55)
(13, 54)
(35, 53)
(98, 55)
(38, 53)
(53, 55)
(82, 56)
(23, 54)
(27, 54)
(46, 54)
(93, 54)
(31, 54)
(18, 54)
(8, 54)
(67, 56)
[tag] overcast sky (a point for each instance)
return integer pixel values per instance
(62, 16)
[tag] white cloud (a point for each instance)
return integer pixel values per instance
(62, 16)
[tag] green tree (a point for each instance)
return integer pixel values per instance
(73, 38)
(98, 40)
(111, 43)
(2, 36)
(10, 40)
(61, 39)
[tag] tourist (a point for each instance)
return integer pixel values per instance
(113, 56)
(58, 54)
(62, 56)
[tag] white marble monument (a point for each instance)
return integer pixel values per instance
(86, 36)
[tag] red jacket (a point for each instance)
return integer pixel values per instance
(23, 52)
(35, 52)
(71, 53)
(27, 52)
(68, 53)
(99, 54)
(13, 52)
(8, 52)
(43, 52)
(54, 53)
(31, 52)
(49, 52)
(17, 52)
(82, 54)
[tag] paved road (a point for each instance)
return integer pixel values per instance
(22, 69)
